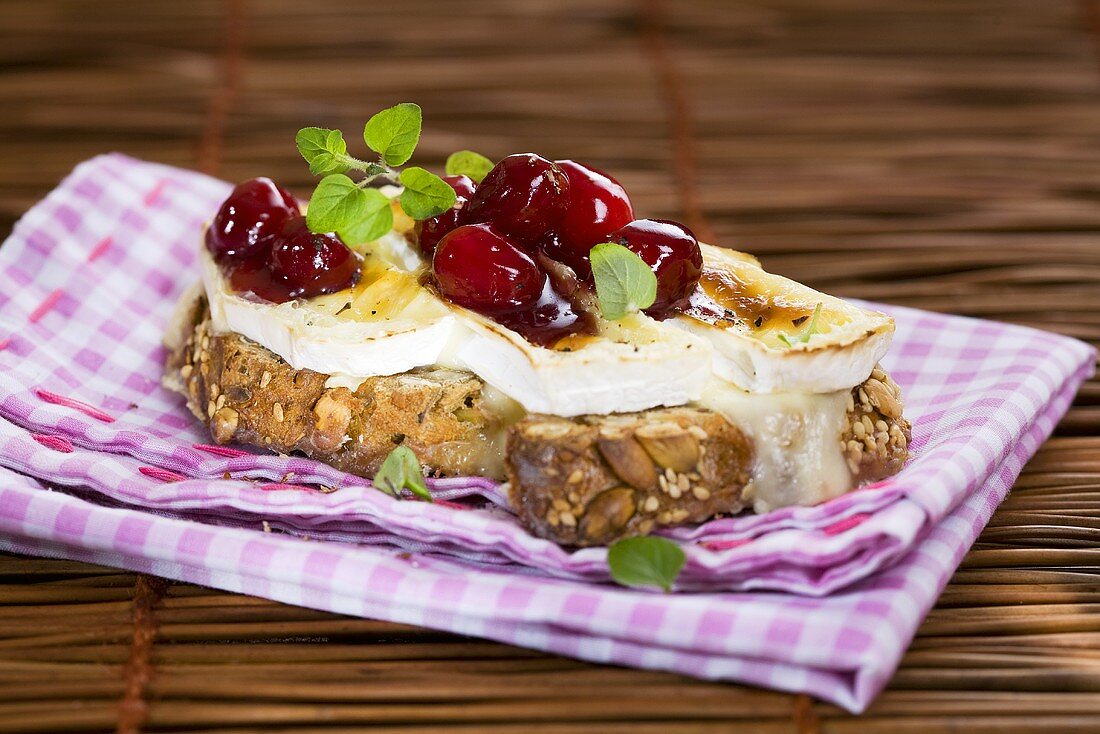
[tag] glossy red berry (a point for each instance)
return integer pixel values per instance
(597, 206)
(477, 267)
(430, 231)
(253, 275)
(463, 185)
(311, 263)
(673, 252)
(524, 196)
(247, 220)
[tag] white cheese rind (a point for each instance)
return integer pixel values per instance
(638, 363)
(605, 376)
(820, 366)
(848, 344)
(310, 339)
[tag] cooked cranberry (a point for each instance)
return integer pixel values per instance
(524, 196)
(550, 318)
(430, 231)
(672, 251)
(311, 263)
(598, 206)
(254, 212)
(463, 185)
(477, 267)
(253, 275)
(554, 247)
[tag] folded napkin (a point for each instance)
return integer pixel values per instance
(98, 462)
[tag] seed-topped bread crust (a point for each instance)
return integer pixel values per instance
(876, 436)
(578, 481)
(592, 480)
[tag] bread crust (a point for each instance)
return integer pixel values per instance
(592, 480)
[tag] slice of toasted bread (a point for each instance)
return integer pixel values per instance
(592, 480)
(247, 394)
(580, 481)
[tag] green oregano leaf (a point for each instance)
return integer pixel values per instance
(624, 282)
(334, 202)
(646, 561)
(425, 194)
(374, 220)
(401, 470)
(393, 133)
(324, 150)
(357, 215)
(468, 163)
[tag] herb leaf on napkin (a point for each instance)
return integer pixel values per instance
(401, 470)
(646, 561)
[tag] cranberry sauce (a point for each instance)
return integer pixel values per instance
(263, 246)
(551, 319)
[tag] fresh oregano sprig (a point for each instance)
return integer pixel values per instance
(350, 208)
(327, 153)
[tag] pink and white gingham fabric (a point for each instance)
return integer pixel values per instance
(98, 462)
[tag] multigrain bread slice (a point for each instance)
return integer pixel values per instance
(578, 481)
(247, 394)
(591, 480)
(594, 479)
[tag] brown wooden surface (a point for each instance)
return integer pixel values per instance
(937, 153)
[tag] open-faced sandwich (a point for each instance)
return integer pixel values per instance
(517, 321)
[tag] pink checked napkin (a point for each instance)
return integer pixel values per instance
(98, 462)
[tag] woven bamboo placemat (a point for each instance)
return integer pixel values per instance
(944, 155)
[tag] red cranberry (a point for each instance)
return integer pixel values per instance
(247, 220)
(430, 231)
(253, 274)
(311, 263)
(555, 248)
(524, 196)
(672, 251)
(479, 268)
(463, 185)
(549, 319)
(598, 206)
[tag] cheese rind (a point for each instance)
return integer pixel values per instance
(746, 313)
(389, 323)
(633, 365)
(309, 338)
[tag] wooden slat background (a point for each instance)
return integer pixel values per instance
(943, 154)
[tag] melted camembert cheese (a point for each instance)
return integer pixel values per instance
(796, 440)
